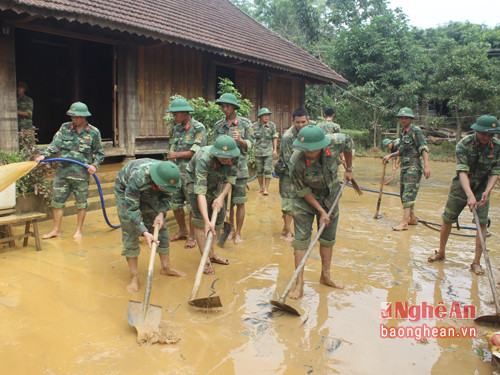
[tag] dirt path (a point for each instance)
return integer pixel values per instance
(63, 310)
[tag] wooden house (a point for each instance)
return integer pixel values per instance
(125, 58)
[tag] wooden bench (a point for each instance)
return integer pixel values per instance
(6, 223)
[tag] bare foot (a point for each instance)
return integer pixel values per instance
(179, 236)
(134, 284)
(265, 192)
(297, 292)
(260, 190)
(77, 235)
(209, 270)
(52, 234)
(327, 280)
(216, 258)
(401, 227)
(413, 221)
(237, 239)
(232, 234)
(171, 271)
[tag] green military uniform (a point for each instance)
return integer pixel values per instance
(207, 176)
(287, 190)
(329, 127)
(138, 203)
(186, 138)
(84, 147)
(395, 145)
(411, 145)
(310, 176)
(244, 127)
(263, 147)
(25, 104)
(479, 162)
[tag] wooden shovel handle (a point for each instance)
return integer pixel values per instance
(204, 257)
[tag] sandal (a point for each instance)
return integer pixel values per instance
(179, 236)
(477, 269)
(191, 242)
(217, 259)
(435, 257)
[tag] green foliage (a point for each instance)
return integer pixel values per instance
(37, 180)
(208, 112)
(362, 138)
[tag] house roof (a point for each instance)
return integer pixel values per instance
(217, 26)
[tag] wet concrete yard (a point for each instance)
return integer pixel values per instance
(64, 310)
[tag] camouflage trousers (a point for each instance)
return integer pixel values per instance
(409, 185)
(303, 222)
(197, 217)
(287, 191)
(62, 188)
(130, 232)
(264, 166)
(457, 201)
(180, 196)
(239, 191)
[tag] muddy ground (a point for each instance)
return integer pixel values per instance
(64, 310)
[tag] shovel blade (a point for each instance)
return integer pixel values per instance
(206, 303)
(283, 306)
(225, 234)
(136, 315)
(493, 319)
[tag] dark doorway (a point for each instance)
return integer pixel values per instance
(223, 72)
(60, 71)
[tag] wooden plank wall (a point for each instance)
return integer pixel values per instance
(8, 96)
(162, 72)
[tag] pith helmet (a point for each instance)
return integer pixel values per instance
(229, 99)
(23, 84)
(78, 109)
(180, 105)
(487, 124)
(311, 138)
(405, 112)
(166, 175)
(385, 142)
(264, 111)
(225, 147)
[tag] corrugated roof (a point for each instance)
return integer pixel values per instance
(215, 25)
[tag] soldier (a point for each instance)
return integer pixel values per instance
(392, 146)
(188, 136)
(265, 148)
(24, 107)
(241, 130)
(211, 172)
(328, 126)
(412, 149)
(478, 167)
(142, 200)
(77, 140)
(300, 119)
(314, 175)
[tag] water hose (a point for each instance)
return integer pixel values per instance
(103, 206)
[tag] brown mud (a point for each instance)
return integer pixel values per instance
(64, 309)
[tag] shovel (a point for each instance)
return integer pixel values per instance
(280, 304)
(142, 315)
(228, 227)
(487, 318)
(377, 216)
(208, 302)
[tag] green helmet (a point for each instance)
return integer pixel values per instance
(311, 138)
(229, 99)
(166, 176)
(405, 112)
(385, 142)
(180, 105)
(264, 111)
(78, 109)
(225, 147)
(487, 124)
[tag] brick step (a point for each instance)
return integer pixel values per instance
(107, 188)
(94, 204)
